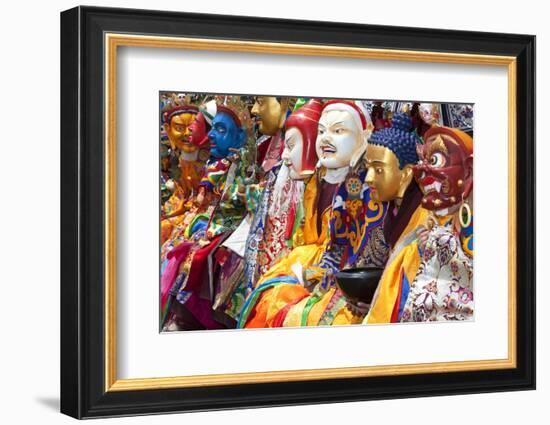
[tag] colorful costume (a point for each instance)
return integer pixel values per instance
(313, 236)
(356, 240)
(180, 208)
(434, 282)
(360, 210)
(443, 288)
(283, 286)
(280, 208)
(193, 286)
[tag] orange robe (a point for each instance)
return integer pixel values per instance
(314, 243)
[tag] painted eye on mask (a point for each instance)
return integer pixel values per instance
(437, 160)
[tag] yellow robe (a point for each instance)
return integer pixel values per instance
(308, 254)
(295, 316)
(296, 313)
(405, 259)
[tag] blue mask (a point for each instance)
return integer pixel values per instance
(225, 134)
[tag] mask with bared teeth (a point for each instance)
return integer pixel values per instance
(445, 169)
(342, 134)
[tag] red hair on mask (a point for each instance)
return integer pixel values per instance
(346, 105)
(306, 120)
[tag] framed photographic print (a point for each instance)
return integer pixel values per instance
(261, 212)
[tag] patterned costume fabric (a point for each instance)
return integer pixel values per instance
(308, 253)
(273, 227)
(230, 275)
(195, 219)
(467, 238)
(443, 287)
(400, 268)
(215, 175)
(176, 263)
(291, 304)
(279, 225)
(355, 215)
(224, 178)
(233, 205)
(258, 199)
(357, 240)
(232, 193)
(256, 234)
(181, 200)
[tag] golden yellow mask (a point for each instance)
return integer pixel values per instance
(269, 114)
(386, 180)
(178, 131)
(391, 155)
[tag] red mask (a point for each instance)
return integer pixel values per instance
(445, 169)
(199, 134)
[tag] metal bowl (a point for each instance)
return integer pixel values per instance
(359, 284)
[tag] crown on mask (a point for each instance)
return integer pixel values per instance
(178, 110)
(464, 140)
(240, 108)
(230, 112)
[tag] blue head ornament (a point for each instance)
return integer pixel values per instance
(399, 139)
(226, 133)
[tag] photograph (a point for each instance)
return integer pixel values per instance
(281, 211)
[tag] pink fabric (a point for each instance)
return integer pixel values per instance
(175, 258)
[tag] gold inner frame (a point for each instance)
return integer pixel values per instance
(113, 41)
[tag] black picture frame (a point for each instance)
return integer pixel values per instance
(83, 392)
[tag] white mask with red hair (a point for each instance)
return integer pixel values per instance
(341, 139)
(299, 154)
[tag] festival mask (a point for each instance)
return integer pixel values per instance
(445, 170)
(384, 177)
(177, 125)
(199, 136)
(226, 133)
(429, 113)
(269, 114)
(300, 136)
(292, 153)
(341, 137)
(391, 155)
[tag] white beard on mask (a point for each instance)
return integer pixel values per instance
(286, 191)
(278, 196)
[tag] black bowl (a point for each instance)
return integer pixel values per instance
(359, 284)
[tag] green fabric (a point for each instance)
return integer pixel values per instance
(309, 305)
